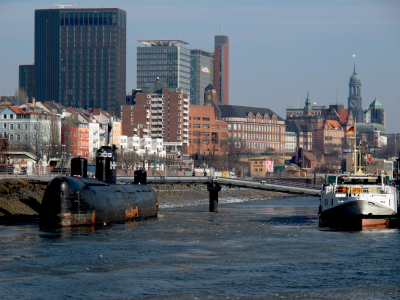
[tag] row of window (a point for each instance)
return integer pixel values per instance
(19, 126)
(262, 128)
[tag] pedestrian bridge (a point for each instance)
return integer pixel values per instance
(213, 184)
(267, 184)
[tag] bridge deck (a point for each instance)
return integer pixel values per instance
(268, 184)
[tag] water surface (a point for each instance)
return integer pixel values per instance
(270, 249)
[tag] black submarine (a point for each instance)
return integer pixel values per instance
(77, 200)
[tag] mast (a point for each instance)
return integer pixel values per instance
(355, 148)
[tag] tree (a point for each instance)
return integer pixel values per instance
(20, 94)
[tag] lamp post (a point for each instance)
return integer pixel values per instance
(227, 163)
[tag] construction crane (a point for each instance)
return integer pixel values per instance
(63, 5)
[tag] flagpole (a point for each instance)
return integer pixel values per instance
(355, 148)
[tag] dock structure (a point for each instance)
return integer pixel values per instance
(213, 184)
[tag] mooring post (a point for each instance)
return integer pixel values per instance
(213, 189)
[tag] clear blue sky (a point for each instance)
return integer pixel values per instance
(278, 49)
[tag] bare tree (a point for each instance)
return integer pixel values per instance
(20, 94)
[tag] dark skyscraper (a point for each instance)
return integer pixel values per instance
(201, 74)
(80, 58)
(221, 68)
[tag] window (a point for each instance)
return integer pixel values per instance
(148, 101)
(11, 126)
(196, 118)
(4, 125)
(179, 101)
(196, 125)
(132, 113)
(18, 137)
(179, 107)
(18, 126)
(206, 119)
(25, 126)
(206, 126)
(229, 126)
(11, 137)
(148, 96)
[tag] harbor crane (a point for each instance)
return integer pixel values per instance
(63, 5)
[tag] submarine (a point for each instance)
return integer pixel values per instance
(77, 200)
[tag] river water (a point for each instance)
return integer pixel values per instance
(271, 249)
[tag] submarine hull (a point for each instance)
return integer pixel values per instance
(76, 201)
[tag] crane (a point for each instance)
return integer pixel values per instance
(63, 5)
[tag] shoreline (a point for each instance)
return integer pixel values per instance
(20, 200)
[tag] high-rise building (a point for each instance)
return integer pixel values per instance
(166, 59)
(221, 68)
(201, 74)
(355, 100)
(80, 58)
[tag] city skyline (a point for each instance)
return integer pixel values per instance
(278, 50)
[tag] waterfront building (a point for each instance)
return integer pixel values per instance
(166, 60)
(221, 68)
(162, 112)
(261, 166)
(30, 129)
(316, 118)
(375, 113)
(201, 74)
(79, 58)
(298, 136)
(254, 129)
(207, 134)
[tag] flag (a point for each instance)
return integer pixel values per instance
(369, 159)
(350, 131)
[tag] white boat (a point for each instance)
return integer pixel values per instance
(359, 200)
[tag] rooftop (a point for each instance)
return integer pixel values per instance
(169, 43)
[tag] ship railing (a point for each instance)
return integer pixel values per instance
(361, 190)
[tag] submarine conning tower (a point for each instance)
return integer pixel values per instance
(79, 167)
(106, 158)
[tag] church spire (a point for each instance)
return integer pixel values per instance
(355, 71)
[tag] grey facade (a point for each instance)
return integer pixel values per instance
(80, 57)
(165, 59)
(355, 100)
(27, 80)
(201, 74)
(375, 113)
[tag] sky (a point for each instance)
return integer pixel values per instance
(279, 50)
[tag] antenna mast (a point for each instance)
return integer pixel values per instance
(63, 5)
(220, 28)
(336, 96)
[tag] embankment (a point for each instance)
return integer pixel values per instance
(20, 200)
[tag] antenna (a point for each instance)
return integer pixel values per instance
(63, 5)
(336, 96)
(220, 29)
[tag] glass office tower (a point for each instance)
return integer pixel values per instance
(80, 57)
(165, 59)
(201, 74)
